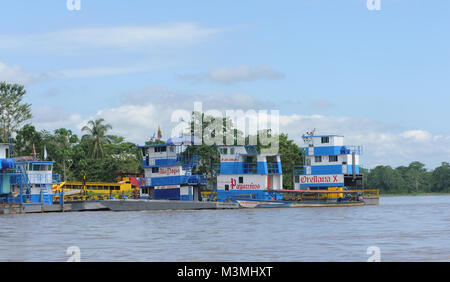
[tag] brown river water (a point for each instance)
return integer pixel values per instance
(412, 228)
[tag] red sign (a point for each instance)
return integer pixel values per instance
(169, 171)
(228, 160)
(250, 186)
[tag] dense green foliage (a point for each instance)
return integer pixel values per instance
(74, 156)
(290, 157)
(411, 179)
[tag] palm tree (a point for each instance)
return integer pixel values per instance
(97, 134)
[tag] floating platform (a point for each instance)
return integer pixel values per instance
(161, 205)
(38, 208)
(146, 205)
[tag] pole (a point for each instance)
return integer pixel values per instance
(42, 201)
(61, 199)
(354, 168)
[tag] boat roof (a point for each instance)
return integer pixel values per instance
(318, 136)
(235, 145)
(176, 141)
(30, 160)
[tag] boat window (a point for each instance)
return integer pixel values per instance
(297, 179)
(333, 159)
(241, 179)
(155, 169)
(227, 187)
(172, 149)
(231, 151)
(223, 151)
(318, 159)
(325, 140)
(160, 149)
(251, 150)
(36, 167)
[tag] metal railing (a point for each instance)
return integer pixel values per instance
(44, 178)
(273, 168)
(352, 149)
(179, 159)
(195, 179)
(250, 168)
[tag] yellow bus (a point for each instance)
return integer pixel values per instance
(124, 186)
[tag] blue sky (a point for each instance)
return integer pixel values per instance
(378, 77)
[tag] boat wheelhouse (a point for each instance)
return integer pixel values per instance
(243, 172)
(328, 163)
(25, 179)
(168, 170)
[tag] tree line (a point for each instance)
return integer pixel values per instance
(100, 156)
(414, 178)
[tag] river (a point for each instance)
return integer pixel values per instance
(407, 228)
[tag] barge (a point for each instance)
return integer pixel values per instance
(328, 177)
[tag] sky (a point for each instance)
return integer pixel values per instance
(379, 77)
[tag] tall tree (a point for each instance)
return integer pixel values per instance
(290, 157)
(97, 134)
(27, 138)
(13, 113)
(61, 149)
(440, 178)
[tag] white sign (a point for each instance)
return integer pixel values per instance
(321, 179)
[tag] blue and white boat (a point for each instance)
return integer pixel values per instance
(246, 174)
(25, 180)
(169, 171)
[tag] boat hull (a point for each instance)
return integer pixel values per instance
(263, 204)
(251, 203)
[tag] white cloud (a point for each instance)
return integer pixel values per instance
(100, 71)
(417, 135)
(50, 118)
(120, 38)
(228, 75)
(17, 74)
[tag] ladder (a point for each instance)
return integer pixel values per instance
(24, 182)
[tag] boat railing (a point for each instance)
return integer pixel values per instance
(250, 168)
(352, 149)
(273, 168)
(178, 159)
